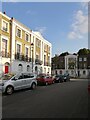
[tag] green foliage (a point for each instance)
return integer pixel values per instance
(84, 51)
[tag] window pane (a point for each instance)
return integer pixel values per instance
(18, 48)
(26, 51)
(80, 59)
(18, 32)
(27, 37)
(5, 26)
(4, 45)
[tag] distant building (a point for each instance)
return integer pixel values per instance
(58, 65)
(75, 65)
(71, 64)
(84, 65)
(67, 63)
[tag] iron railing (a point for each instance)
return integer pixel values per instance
(5, 54)
(21, 57)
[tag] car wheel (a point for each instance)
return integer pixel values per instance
(33, 86)
(46, 83)
(9, 90)
(59, 81)
(53, 82)
(64, 80)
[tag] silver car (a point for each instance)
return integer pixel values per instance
(16, 82)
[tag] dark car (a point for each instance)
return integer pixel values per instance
(43, 79)
(66, 77)
(58, 78)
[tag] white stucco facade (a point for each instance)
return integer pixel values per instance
(71, 58)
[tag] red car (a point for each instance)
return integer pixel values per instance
(44, 80)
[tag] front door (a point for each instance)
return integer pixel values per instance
(78, 73)
(6, 69)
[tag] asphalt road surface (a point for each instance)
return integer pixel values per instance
(59, 100)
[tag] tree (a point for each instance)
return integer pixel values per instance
(84, 51)
(64, 54)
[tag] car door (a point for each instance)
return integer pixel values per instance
(47, 79)
(30, 79)
(50, 80)
(18, 82)
(27, 80)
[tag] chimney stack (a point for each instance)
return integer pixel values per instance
(4, 13)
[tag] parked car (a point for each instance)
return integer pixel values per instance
(16, 82)
(58, 78)
(43, 79)
(66, 77)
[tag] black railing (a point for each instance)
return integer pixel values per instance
(5, 54)
(37, 61)
(21, 57)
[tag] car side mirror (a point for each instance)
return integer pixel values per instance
(15, 79)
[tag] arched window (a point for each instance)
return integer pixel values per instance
(20, 67)
(28, 68)
(56, 72)
(60, 71)
(84, 72)
(36, 69)
(41, 70)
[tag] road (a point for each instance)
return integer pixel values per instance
(60, 100)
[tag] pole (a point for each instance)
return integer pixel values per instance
(32, 45)
(32, 59)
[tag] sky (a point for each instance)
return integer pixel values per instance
(64, 24)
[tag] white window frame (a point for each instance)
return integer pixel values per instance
(19, 44)
(28, 37)
(80, 59)
(38, 42)
(45, 47)
(7, 27)
(85, 65)
(21, 32)
(4, 37)
(85, 59)
(28, 50)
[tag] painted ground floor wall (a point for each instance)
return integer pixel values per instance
(16, 66)
(4, 65)
(71, 72)
(82, 73)
(27, 67)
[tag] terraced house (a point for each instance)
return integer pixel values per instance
(22, 50)
(5, 43)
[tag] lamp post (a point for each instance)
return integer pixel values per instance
(32, 45)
